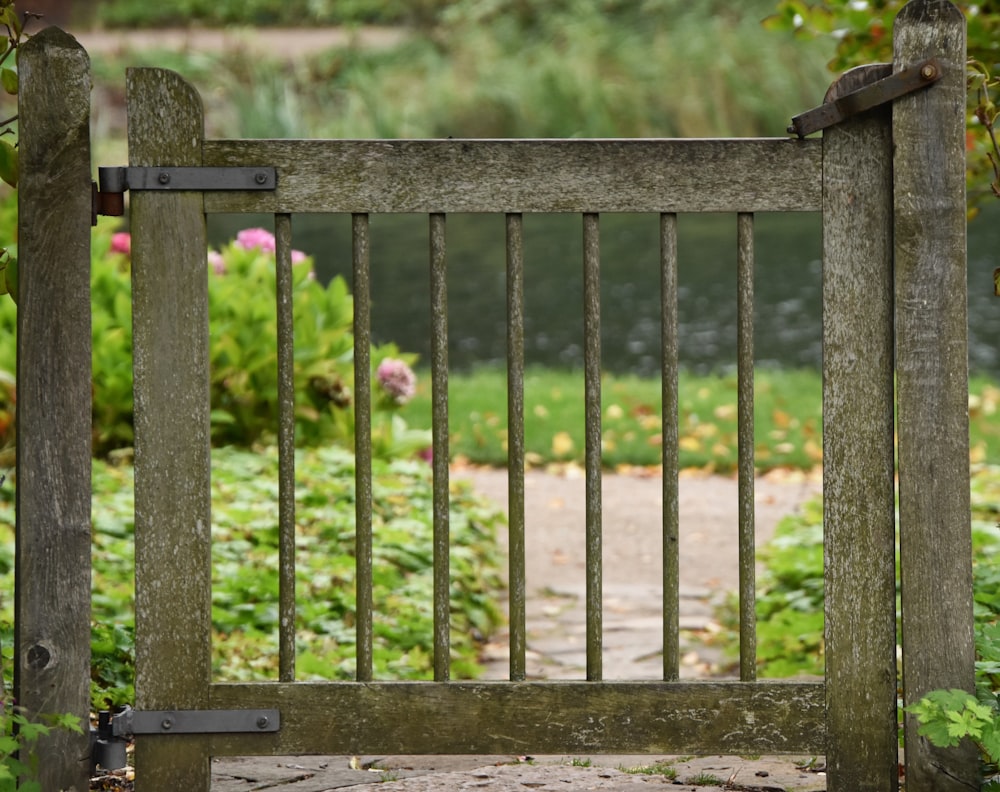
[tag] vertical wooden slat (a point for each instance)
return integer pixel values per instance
(932, 382)
(671, 508)
(858, 503)
(362, 445)
(52, 592)
(439, 421)
(515, 446)
(286, 447)
(744, 343)
(592, 395)
(172, 429)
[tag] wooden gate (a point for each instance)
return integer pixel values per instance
(889, 183)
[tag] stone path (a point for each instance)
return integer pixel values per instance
(554, 505)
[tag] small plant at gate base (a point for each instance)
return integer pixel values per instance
(947, 717)
(18, 761)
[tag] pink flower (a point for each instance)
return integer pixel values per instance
(397, 380)
(251, 238)
(216, 262)
(121, 243)
(262, 239)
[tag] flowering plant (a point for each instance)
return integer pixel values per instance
(242, 350)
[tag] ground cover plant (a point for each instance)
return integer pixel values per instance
(245, 591)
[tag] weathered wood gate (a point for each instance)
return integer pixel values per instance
(890, 186)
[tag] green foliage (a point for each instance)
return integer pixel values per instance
(522, 69)
(863, 34)
(19, 733)
(790, 588)
(245, 591)
(242, 350)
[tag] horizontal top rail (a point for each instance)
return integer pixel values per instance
(655, 175)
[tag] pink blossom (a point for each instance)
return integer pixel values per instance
(397, 380)
(216, 262)
(251, 238)
(121, 243)
(262, 239)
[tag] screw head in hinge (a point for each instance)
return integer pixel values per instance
(929, 71)
(260, 178)
(167, 724)
(163, 177)
(262, 722)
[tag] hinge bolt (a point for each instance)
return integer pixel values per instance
(260, 178)
(167, 724)
(262, 722)
(163, 178)
(928, 71)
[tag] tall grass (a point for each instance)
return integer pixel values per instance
(649, 69)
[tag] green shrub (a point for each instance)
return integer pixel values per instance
(243, 352)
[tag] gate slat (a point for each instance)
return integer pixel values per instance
(361, 261)
(422, 176)
(669, 396)
(173, 561)
(592, 396)
(517, 602)
(286, 447)
(572, 717)
(439, 421)
(744, 343)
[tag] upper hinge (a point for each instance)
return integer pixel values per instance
(109, 193)
(879, 92)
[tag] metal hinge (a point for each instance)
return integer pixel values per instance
(114, 730)
(885, 90)
(109, 192)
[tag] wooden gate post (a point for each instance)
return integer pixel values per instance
(173, 565)
(859, 493)
(932, 384)
(52, 589)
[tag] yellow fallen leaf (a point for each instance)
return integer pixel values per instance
(725, 412)
(689, 443)
(541, 411)
(813, 450)
(615, 412)
(562, 444)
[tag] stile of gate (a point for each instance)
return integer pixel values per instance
(847, 175)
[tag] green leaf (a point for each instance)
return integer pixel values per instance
(10, 279)
(8, 77)
(8, 163)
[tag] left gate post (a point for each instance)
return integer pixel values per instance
(52, 573)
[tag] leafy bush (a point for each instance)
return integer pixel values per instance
(245, 591)
(790, 587)
(243, 352)
(18, 734)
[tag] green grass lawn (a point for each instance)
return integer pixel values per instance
(787, 419)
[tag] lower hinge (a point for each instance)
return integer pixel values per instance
(114, 730)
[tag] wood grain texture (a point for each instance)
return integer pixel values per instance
(52, 600)
(531, 717)
(858, 461)
(172, 429)
(932, 382)
(525, 175)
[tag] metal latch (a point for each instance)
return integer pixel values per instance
(879, 92)
(109, 192)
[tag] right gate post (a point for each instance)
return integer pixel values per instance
(932, 385)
